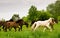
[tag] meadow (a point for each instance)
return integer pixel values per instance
(28, 33)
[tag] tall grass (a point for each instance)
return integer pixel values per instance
(28, 33)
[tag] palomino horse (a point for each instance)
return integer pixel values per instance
(45, 23)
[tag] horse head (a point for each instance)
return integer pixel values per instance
(25, 23)
(22, 22)
(52, 20)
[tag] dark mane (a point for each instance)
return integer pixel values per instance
(10, 20)
(19, 20)
(32, 22)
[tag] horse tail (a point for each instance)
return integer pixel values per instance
(33, 26)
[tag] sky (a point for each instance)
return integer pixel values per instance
(21, 7)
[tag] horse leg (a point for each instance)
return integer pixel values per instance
(44, 29)
(5, 29)
(49, 28)
(36, 27)
(9, 29)
(15, 29)
(33, 26)
(21, 28)
(52, 27)
(0, 28)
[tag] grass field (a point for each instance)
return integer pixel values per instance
(27, 33)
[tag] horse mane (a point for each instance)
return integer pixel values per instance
(19, 20)
(11, 20)
(33, 21)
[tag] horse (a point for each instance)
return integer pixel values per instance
(9, 25)
(46, 24)
(15, 24)
(21, 22)
(1, 24)
(32, 22)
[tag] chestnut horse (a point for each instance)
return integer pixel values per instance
(47, 24)
(2, 23)
(14, 24)
(9, 25)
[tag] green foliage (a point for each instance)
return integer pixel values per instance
(15, 17)
(54, 9)
(3, 20)
(59, 18)
(25, 19)
(44, 15)
(32, 13)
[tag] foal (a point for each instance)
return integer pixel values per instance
(45, 23)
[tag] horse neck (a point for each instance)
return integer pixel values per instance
(26, 24)
(19, 21)
(49, 20)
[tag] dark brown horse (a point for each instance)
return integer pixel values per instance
(21, 22)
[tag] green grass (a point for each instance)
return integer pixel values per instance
(28, 33)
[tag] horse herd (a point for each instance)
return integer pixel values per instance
(47, 24)
(12, 24)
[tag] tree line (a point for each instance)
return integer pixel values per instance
(52, 10)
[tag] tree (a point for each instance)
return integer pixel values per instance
(15, 17)
(3, 19)
(44, 15)
(32, 13)
(35, 15)
(54, 9)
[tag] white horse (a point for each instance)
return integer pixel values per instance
(45, 23)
